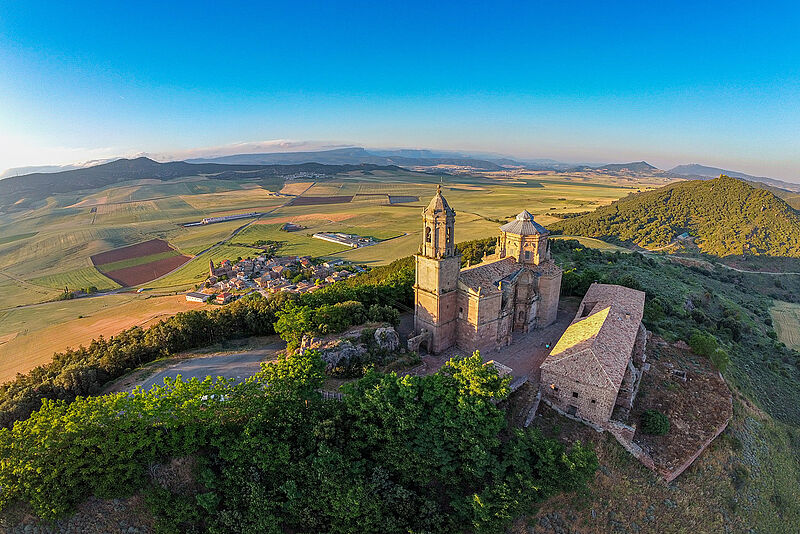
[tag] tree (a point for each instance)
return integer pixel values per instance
(654, 423)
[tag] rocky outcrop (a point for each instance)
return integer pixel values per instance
(342, 349)
(387, 339)
(335, 353)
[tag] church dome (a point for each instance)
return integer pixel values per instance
(438, 204)
(524, 224)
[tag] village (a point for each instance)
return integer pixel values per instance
(230, 280)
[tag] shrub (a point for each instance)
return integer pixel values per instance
(654, 423)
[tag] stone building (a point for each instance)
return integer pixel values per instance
(479, 307)
(597, 364)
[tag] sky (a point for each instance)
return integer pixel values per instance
(668, 83)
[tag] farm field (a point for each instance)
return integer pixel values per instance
(79, 278)
(35, 334)
(53, 243)
(786, 319)
(140, 263)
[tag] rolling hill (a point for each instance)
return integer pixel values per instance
(694, 170)
(37, 186)
(727, 216)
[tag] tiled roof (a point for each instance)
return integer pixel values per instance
(524, 225)
(486, 275)
(605, 326)
(438, 204)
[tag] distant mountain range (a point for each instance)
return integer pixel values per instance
(701, 172)
(37, 186)
(634, 167)
(355, 156)
(727, 216)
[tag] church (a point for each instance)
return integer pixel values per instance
(480, 307)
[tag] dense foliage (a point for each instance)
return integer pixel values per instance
(722, 314)
(295, 321)
(472, 252)
(726, 216)
(397, 454)
(85, 370)
(654, 423)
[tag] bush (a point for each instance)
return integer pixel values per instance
(654, 423)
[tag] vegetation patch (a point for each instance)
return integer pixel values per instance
(395, 455)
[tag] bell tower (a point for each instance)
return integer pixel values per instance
(438, 266)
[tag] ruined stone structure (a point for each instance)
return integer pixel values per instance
(597, 364)
(479, 307)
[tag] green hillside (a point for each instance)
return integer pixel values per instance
(726, 216)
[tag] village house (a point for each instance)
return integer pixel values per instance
(224, 298)
(597, 363)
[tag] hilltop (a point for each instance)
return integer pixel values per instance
(726, 216)
(696, 171)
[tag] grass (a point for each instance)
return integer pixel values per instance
(133, 262)
(12, 238)
(294, 243)
(591, 242)
(786, 320)
(76, 279)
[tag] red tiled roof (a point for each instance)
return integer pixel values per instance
(486, 275)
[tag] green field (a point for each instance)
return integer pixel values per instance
(292, 243)
(77, 279)
(786, 319)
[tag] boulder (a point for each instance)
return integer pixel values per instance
(387, 339)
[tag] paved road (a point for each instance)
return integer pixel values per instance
(238, 366)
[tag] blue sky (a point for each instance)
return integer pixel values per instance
(714, 83)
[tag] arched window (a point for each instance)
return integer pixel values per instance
(427, 234)
(522, 316)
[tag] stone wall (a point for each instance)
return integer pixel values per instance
(559, 389)
(549, 293)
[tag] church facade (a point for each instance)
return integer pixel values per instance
(480, 307)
